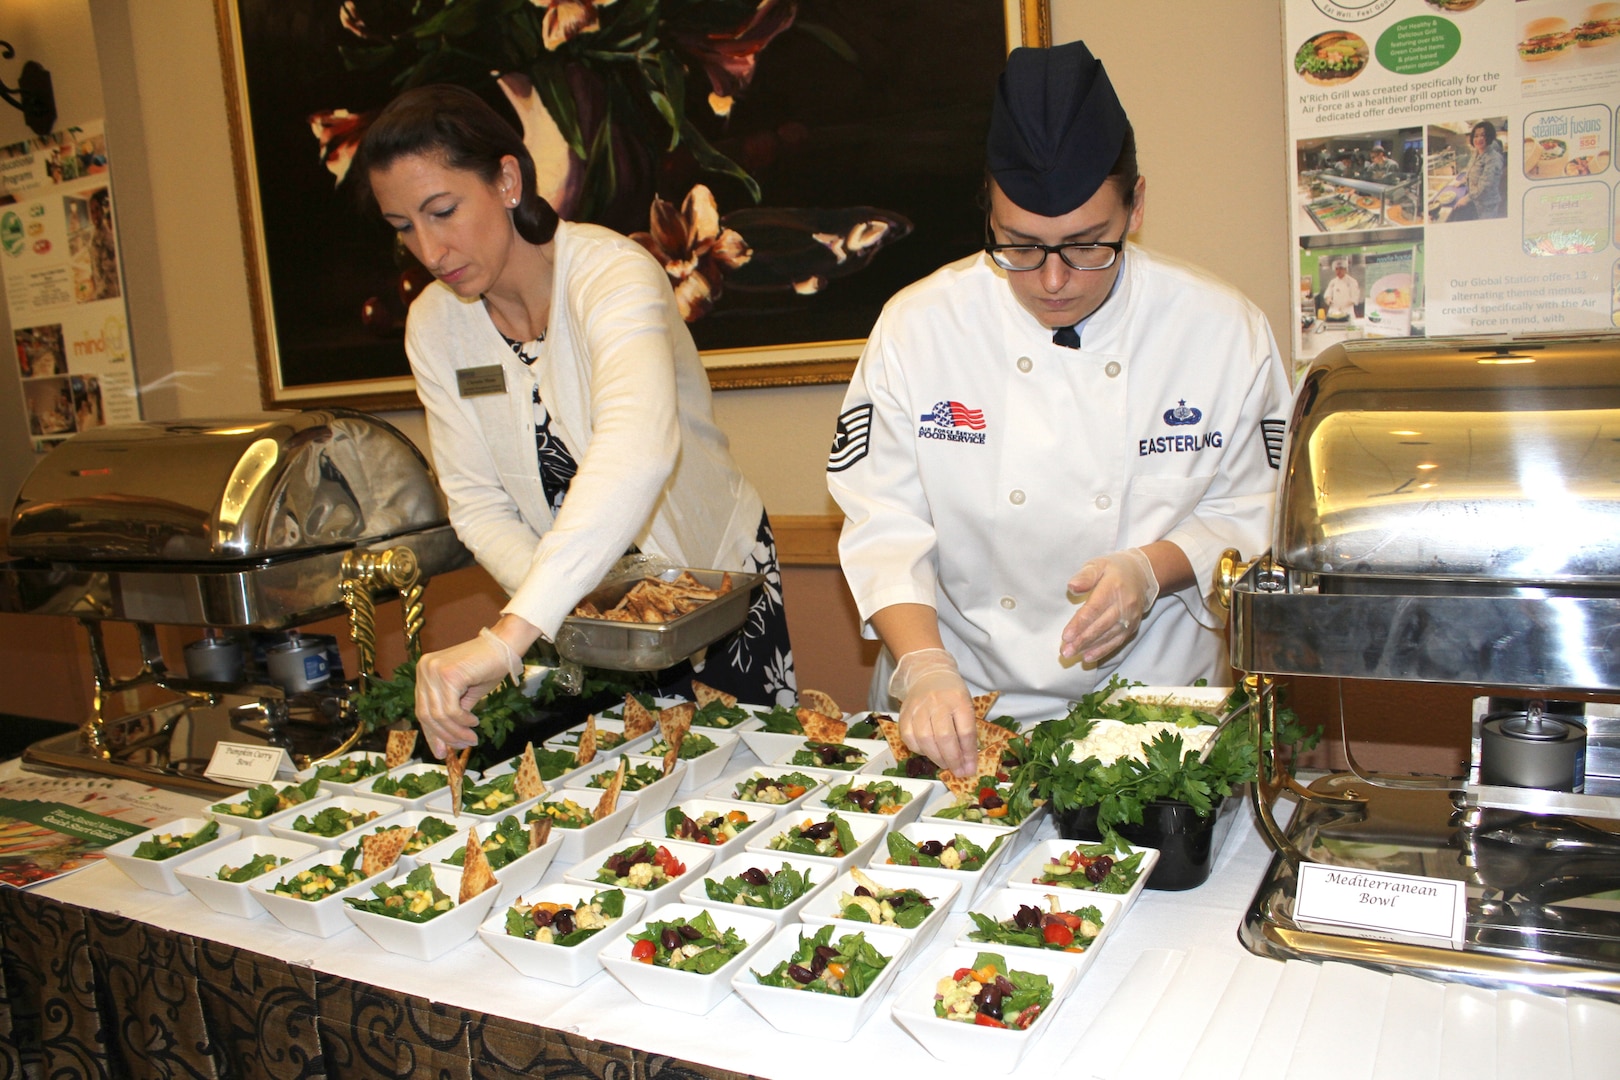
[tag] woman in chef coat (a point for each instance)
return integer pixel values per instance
(567, 408)
(1046, 447)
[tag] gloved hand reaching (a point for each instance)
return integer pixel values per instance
(1122, 587)
(451, 681)
(936, 713)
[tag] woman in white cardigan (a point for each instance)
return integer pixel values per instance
(567, 408)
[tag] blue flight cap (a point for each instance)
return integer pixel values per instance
(1056, 128)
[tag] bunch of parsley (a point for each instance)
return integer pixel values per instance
(1170, 771)
(386, 701)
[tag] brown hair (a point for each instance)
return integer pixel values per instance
(456, 124)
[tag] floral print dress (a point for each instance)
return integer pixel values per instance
(755, 661)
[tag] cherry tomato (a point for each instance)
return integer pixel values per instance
(985, 793)
(963, 973)
(643, 951)
(669, 863)
(1057, 934)
(987, 1021)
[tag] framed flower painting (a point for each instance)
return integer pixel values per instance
(792, 163)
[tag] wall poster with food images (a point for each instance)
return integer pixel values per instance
(1452, 167)
(64, 290)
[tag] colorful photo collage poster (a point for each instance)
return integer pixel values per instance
(1452, 167)
(64, 292)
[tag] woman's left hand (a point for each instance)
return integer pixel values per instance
(448, 684)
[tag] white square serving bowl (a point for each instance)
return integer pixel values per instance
(282, 824)
(569, 739)
(806, 1012)
(432, 939)
(159, 874)
(439, 803)
(820, 875)
(231, 897)
(751, 722)
(1026, 873)
(1025, 829)
(874, 749)
(516, 877)
(706, 768)
(364, 789)
(650, 800)
(695, 857)
(823, 907)
(727, 788)
(557, 780)
(683, 991)
(867, 829)
(1000, 904)
(598, 834)
(969, 1046)
(921, 791)
(768, 745)
(973, 882)
(408, 819)
(569, 965)
(255, 826)
(760, 817)
(319, 918)
(338, 787)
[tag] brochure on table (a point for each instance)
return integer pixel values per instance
(1396, 108)
(53, 825)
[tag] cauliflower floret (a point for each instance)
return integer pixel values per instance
(865, 903)
(949, 859)
(641, 875)
(590, 917)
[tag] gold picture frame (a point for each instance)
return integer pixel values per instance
(301, 284)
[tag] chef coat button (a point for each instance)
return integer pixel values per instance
(1016, 498)
(1024, 364)
(1008, 602)
(1104, 502)
(1112, 370)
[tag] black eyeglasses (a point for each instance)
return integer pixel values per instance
(1098, 256)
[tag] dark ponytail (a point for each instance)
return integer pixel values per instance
(454, 122)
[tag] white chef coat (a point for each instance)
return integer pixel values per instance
(627, 395)
(979, 466)
(1341, 294)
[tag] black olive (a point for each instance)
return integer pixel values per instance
(991, 801)
(755, 876)
(931, 848)
(862, 890)
(988, 1001)
(541, 917)
(819, 831)
(1098, 870)
(670, 938)
(919, 767)
(1027, 916)
(801, 975)
(1003, 985)
(818, 963)
(863, 799)
(642, 855)
(828, 755)
(563, 922)
(691, 933)
(826, 952)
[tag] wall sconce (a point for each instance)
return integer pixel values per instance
(33, 94)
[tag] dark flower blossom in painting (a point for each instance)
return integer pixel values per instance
(568, 19)
(339, 133)
(696, 252)
(728, 56)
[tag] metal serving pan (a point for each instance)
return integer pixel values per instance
(622, 646)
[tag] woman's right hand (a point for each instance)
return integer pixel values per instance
(936, 712)
(450, 682)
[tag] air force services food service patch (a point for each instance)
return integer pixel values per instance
(853, 438)
(953, 421)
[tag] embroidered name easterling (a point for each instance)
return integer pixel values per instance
(953, 421)
(1182, 415)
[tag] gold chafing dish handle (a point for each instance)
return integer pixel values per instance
(395, 568)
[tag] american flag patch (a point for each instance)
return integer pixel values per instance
(853, 438)
(953, 414)
(1273, 432)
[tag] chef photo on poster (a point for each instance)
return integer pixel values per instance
(1467, 168)
(1362, 285)
(1372, 180)
(1560, 143)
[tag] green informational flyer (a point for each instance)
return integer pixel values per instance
(51, 826)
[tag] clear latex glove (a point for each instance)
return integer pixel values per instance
(1122, 588)
(936, 712)
(451, 681)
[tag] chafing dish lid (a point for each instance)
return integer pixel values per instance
(235, 489)
(1484, 459)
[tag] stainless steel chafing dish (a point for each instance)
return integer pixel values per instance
(257, 523)
(1449, 512)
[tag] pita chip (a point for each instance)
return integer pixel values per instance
(587, 742)
(637, 720)
(671, 756)
(609, 801)
(819, 727)
(380, 850)
(990, 759)
(959, 786)
(476, 874)
(539, 833)
(401, 745)
(891, 732)
(989, 734)
(456, 767)
(675, 721)
(725, 583)
(983, 703)
(823, 703)
(527, 783)
(705, 694)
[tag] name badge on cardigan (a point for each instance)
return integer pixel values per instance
(477, 381)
